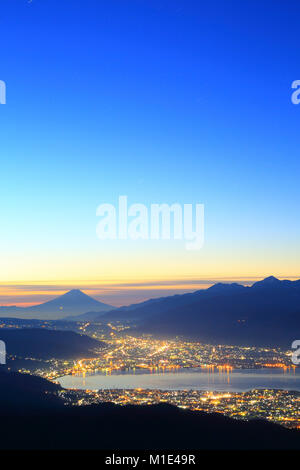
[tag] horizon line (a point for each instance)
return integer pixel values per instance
(115, 293)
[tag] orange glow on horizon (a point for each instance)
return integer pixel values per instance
(116, 292)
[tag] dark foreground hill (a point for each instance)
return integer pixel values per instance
(40, 343)
(267, 313)
(21, 393)
(41, 422)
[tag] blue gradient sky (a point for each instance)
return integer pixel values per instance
(163, 101)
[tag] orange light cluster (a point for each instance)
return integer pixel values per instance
(280, 365)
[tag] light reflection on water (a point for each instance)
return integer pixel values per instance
(184, 379)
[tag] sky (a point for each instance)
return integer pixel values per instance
(163, 101)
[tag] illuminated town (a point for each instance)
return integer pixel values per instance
(280, 406)
(123, 352)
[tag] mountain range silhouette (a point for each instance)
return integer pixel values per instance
(267, 313)
(72, 303)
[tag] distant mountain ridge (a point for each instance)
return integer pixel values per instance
(72, 303)
(153, 306)
(267, 313)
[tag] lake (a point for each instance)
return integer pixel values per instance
(239, 380)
